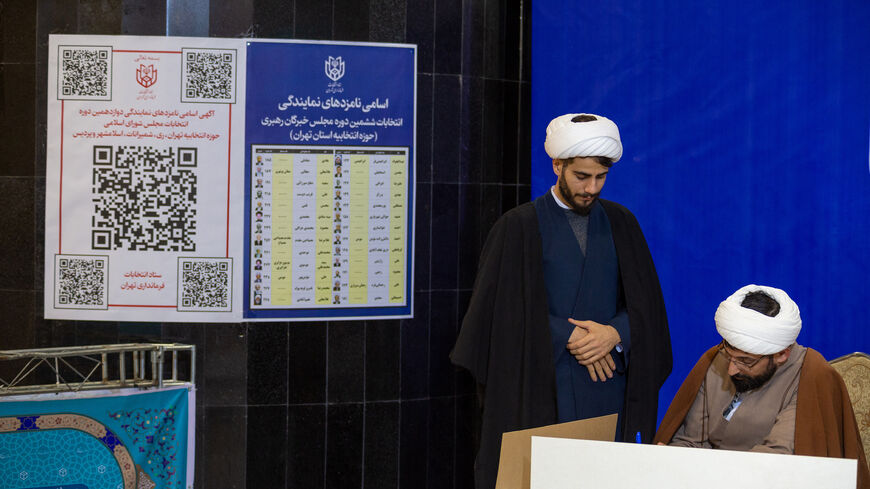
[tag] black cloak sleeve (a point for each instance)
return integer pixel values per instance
(505, 340)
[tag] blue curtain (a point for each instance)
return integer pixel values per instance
(745, 131)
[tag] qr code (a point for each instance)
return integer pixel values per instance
(144, 198)
(81, 281)
(204, 284)
(85, 73)
(208, 75)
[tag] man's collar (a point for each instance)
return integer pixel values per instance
(558, 200)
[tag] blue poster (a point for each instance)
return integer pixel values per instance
(329, 132)
(110, 441)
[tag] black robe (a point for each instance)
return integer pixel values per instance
(505, 340)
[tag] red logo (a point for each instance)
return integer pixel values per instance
(146, 75)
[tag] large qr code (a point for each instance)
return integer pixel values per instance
(209, 75)
(81, 282)
(85, 73)
(204, 284)
(144, 198)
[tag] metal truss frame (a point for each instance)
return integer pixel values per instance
(151, 364)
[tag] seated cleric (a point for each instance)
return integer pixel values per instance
(760, 391)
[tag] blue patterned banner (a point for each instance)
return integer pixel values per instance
(106, 440)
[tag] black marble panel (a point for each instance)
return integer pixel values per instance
(314, 19)
(16, 261)
(524, 192)
(344, 445)
(143, 18)
(381, 447)
(442, 440)
(188, 334)
(139, 332)
(469, 233)
(18, 32)
(415, 350)
(306, 445)
(231, 19)
(508, 197)
(471, 130)
(267, 363)
(422, 233)
(17, 91)
(448, 36)
(226, 365)
(41, 104)
(266, 446)
(387, 21)
(63, 333)
(465, 383)
(494, 34)
(100, 16)
(493, 130)
(425, 104)
(510, 132)
(201, 447)
(473, 38)
(445, 129)
(420, 30)
(187, 18)
(445, 235)
(16, 309)
(503, 39)
(442, 337)
(39, 241)
(490, 209)
(524, 164)
(526, 46)
(225, 435)
(274, 18)
(95, 333)
(513, 31)
(382, 360)
(307, 363)
(56, 17)
(351, 20)
(414, 444)
(346, 370)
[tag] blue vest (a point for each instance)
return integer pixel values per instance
(583, 288)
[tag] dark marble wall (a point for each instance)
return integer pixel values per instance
(340, 404)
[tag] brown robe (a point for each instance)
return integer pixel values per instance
(825, 424)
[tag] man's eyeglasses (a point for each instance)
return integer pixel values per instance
(743, 363)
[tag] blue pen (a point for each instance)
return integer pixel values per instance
(637, 437)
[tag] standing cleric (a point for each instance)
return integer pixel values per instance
(567, 319)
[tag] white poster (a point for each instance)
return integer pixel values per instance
(143, 143)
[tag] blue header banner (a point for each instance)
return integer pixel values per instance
(329, 180)
(330, 94)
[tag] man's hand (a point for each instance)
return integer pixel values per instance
(601, 369)
(595, 344)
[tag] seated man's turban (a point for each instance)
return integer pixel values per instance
(754, 332)
(569, 139)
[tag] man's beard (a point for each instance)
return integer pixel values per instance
(744, 383)
(583, 210)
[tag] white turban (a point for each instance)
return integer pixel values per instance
(569, 139)
(754, 332)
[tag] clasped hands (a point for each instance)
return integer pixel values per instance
(590, 343)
